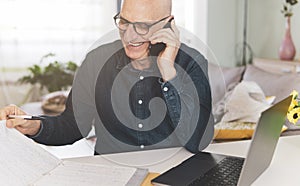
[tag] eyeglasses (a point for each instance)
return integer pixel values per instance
(141, 28)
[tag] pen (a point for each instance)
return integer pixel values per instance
(26, 117)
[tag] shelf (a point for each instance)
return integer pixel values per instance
(277, 66)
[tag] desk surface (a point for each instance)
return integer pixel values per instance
(284, 168)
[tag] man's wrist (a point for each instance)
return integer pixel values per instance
(169, 74)
(38, 131)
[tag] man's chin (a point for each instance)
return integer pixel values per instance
(137, 52)
(136, 57)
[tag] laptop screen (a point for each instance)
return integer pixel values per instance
(264, 141)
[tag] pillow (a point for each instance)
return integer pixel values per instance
(235, 130)
(220, 78)
(242, 109)
(232, 106)
(245, 103)
(54, 103)
(276, 85)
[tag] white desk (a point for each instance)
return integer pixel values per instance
(284, 169)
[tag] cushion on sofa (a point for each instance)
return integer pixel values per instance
(236, 130)
(245, 103)
(271, 84)
(221, 77)
(242, 110)
(276, 85)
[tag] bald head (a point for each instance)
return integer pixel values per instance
(149, 9)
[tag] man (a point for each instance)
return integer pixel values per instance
(139, 70)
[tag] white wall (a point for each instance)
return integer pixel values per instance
(224, 32)
(31, 29)
(266, 27)
(200, 19)
(192, 16)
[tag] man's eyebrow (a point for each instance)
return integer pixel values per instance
(125, 19)
(145, 22)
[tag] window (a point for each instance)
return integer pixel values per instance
(32, 28)
(192, 16)
(68, 28)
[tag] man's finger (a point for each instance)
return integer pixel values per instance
(5, 112)
(10, 110)
(174, 28)
(9, 124)
(3, 115)
(22, 129)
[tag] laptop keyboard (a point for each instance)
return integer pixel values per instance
(226, 172)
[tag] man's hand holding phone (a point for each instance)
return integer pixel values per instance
(166, 58)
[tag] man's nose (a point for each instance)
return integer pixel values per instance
(130, 34)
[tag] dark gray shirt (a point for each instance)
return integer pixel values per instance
(134, 110)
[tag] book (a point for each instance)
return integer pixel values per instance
(24, 162)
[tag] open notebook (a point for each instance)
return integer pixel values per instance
(23, 162)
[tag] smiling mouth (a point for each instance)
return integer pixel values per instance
(136, 44)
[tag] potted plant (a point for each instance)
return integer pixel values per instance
(55, 78)
(288, 7)
(287, 50)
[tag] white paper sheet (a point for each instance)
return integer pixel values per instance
(78, 174)
(22, 161)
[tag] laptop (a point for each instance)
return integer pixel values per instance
(216, 169)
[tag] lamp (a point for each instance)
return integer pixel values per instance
(244, 62)
(245, 45)
(119, 2)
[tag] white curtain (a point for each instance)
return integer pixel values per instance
(29, 29)
(192, 16)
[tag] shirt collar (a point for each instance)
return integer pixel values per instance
(124, 61)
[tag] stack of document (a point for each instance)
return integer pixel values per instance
(23, 162)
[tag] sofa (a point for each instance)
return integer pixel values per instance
(225, 79)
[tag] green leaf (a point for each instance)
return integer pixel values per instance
(55, 76)
(292, 2)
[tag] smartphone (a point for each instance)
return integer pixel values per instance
(157, 48)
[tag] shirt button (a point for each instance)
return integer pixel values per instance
(141, 77)
(142, 146)
(140, 125)
(140, 101)
(165, 89)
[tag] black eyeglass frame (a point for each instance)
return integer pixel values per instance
(117, 16)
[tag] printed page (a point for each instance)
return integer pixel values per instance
(85, 174)
(22, 161)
